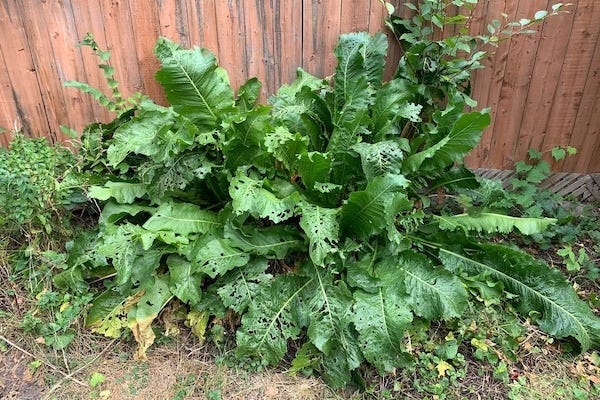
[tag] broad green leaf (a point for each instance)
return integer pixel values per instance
(494, 223)
(392, 103)
(106, 314)
(352, 94)
(140, 135)
(302, 109)
(314, 167)
(215, 256)
(451, 148)
(184, 282)
(330, 325)
(182, 219)
(164, 180)
(244, 139)
(381, 319)
(432, 292)
(271, 242)
(271, 320)
(248, 93)
(238, 288)
(194, 84)
(249, 195)
(321, 226)
(539, 288)
(114, 212)
(380, 158)
(368, 212)
(122, 192)
(71, 279)
(374, 54)
(285, 146)
(122, 244)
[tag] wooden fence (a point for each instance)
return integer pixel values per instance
(544, 89)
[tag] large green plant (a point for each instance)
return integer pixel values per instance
(307, 220)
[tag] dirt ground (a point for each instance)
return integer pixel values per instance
(172, 371)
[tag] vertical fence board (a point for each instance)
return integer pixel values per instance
(544, 83)
(146, 30)
(321, 30)
(231, 36)
(516, 80)
(586, 132)
(290, 51)
(567, 99)
(582, 94)
(497, 65)
(88, 19)
(25, 97)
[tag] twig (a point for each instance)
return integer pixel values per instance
(86, 365)
(54, 367)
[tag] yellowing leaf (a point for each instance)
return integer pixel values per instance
(442, 367)
(143, 334)
(198, 321)
(480, 344)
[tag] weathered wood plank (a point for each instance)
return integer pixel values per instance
(25, 97)
(585, 136)
(491, 97)
(568, 97)
(553, 45)
(321, 30)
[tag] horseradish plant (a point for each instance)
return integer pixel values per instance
(304, 225)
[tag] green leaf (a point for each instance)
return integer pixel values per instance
(122, 244)
(352, 94)
(106, 314)
(271, 242)
(558, 153)
(182, 219)
(194, 84)
(248, 93)
(381, 320)
(122, 192)
(248, 195)
(432, 292)
(538, 287)
(238, 288)
(391, 105)
(215, 256)
(301, 108)
(140, 135)
(314, 167)
(494, 223)
(322, 229)
(245, 137)
(184, 282)
(113, 212)
(155, 297)
(285, 146)
(271, 320)
(330, 325)
(368, 212)
(380, 158)
(451, 148)
(96, 379)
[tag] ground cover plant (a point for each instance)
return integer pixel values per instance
(306, 225)
(334, 230)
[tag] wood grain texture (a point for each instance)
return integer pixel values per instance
(544, 89)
